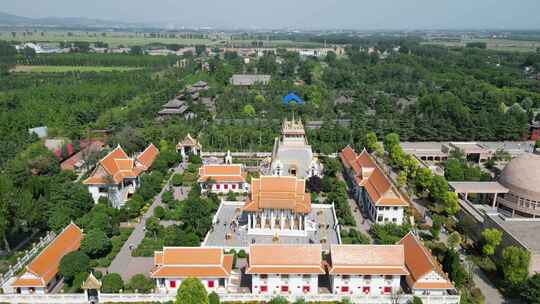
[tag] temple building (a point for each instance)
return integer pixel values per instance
(278, 205)
(372, 189)
(285, 269)
(223, 179)
(426, 276)
(366, 269)
(292, 155)
(189, 146)
(174, 264)
(41, 275)
(116, 176)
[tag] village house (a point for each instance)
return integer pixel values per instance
(372, 189)
(285, 269)
(278, 205)
(41, 275)
(246, 80)
(116, 176)
(174, 264)
(426, 276)
(223, 179)
(366, 269)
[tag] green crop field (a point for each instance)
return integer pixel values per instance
(64, 69)
(496, 44)
(115, 39)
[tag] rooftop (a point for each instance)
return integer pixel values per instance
(180, 262)
(272, 258)
(246, 80)
(279, 192)
(478, 187)
(222, 173)
(368, 259)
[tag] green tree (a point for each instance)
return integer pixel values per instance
(191, 291)
(439, 187)
(452, 266)
(515, 265)
(390, 141)
(491, 238)
(531, 291)
(370, 142)
(453, 170)
(424, 179)
(416, 300)
(73, 263)
(451, 203)
(140, 283)
(454, 240)
(152, 226)
(278, 300)
(249, 110)
(112, 283)
(213, 298)
(96, 243)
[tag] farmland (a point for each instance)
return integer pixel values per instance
(65, 69)
(495, 44)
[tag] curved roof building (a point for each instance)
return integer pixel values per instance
(522, 177)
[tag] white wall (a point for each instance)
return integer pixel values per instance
(220, 188)
(356, 284)
(165, 285)
(295, 284)
(389, 214)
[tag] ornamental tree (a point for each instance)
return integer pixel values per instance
(191, 291)
(515, 265)
(112, 283)
(492, 238)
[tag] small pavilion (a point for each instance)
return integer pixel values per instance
(189, 146)
(92, 287)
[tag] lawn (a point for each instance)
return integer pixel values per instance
(64, 69)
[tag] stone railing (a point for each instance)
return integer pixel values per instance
(226, 297)
(21, 262)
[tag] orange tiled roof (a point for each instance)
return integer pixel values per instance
(368, 175)
(45, 265)
(299, 259)
(116, 166)
(368, 259)
(148, 156)
(420, 262)
(222, 173)
(278, 192)
(200, 262)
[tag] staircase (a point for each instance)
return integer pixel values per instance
(234, 281)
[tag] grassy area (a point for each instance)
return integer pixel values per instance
(64, 69)
(495, 44)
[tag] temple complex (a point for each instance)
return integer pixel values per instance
(292, 155)
(278, 205)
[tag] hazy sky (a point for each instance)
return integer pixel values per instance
(353, 14)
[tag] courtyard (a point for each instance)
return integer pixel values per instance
(229, 229)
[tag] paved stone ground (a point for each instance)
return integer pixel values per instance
(362, 221)
(126, 265)
(240, 238)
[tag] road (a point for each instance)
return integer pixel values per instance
(126, 265)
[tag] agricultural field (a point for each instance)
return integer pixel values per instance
(128, 39)
(64, 69)
(495, 44)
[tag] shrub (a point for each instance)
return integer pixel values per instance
(112, 283)
(140, 283)
(213, 298)
(73, 263)
(177, 180)
(159, 212)
(192, 291)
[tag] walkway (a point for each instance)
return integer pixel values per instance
(363, 223)
(126, 265)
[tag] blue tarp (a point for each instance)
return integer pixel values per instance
(292, 97)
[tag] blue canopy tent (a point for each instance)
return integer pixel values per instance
(287, 99)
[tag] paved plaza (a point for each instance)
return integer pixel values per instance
(325, 231)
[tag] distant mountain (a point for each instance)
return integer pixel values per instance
(13, 20)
